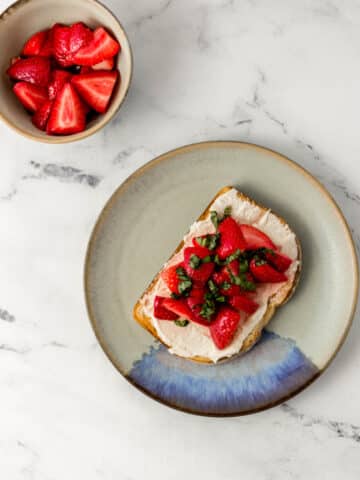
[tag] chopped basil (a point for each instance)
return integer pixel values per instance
(184, 285)
(206, 259)
(212, 287)
(180, 272)
(260, 261)
(225, 286)
(208, 241)
(244, 266)
(214, 218)
(202, 241)
(181, 323)
(176, 296)
(218, 261)
(208, 309)
(194, 261)
(220, 299)
(247, 285)
(233, 256)
(227, 211)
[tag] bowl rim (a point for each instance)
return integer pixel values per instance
(163, 158)
(59, 139)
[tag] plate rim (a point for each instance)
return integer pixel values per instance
(166, 156)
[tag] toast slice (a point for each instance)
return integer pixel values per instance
(279, 297)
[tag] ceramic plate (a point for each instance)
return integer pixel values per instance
(142, 224)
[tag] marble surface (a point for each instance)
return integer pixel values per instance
(281, 74)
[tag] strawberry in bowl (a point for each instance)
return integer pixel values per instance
(50, 80)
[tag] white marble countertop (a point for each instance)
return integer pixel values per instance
(281, 74)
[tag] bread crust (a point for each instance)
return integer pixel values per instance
(275, 301)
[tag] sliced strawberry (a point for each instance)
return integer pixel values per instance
(67, 115)
(80, 36)
(224, 327)
(220, 277)
(107, 64)
(41, 116)
(85, 70)
(231, 290)
(279, 261)
(195, 301)
(96, 88)
(203, 271)
(255, 238)
(244, 303)
(57, 81)
(170, 277)
(265, 273)
(61, 45)
(31, 96)
(47, 49)
(231, 238)
(180, 307)
(35, 43)
(102, 46)
(35, 70)
(161, 312)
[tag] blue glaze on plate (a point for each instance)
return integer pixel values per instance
(272, 370)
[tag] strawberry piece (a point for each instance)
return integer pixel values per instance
(244, 303)
(231, 238)
(220, 277)
(161, 312)
(31, 96)
(41, 116)
(57, 81)
(61, 45)
(85, 70)
(195, 301)
(171, 278)
(80, 36)
(265, 273)
(102, 46)
(35, 70)
(224, 327)
(67, 115)
(47, 49)
(231, 291)
(180, 307)
(279, 261)
(107, 64)
(35, 43)
(255, 238)
(96, 88)
(204, 270)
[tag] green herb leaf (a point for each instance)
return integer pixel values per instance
(220, 299)
(260, 261)
(214, 218)
(180, 272)
(225, 286)
(233, 256)
(244, 266)
(181, 323)
(194, 261)
(184, 285)
(218, 261)
(202, 241)
(227, 211)
(208, 309)
(212, 287)
(174, 295)
(206, 259)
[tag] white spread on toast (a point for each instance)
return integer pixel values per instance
(194, 339)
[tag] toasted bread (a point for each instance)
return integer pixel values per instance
(277, 299)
